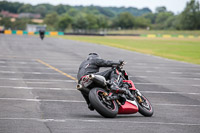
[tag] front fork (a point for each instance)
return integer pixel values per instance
(138, 96)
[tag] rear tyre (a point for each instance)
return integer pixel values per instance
(108, 109)
(145, 108)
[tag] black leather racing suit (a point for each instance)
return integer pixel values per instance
(92, 65)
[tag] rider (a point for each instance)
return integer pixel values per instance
(42, 32)
(92, 65)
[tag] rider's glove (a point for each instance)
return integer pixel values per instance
(121, 62)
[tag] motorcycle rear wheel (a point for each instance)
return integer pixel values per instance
(108, 109)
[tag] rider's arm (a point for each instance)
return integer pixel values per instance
(106, 63)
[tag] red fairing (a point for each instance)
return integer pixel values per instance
(130, 82)
(128, 108)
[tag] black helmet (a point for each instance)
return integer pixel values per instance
(93, 56)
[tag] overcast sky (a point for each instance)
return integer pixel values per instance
(176, 6)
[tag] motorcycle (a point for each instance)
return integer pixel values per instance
(42, 33)
(108, 103)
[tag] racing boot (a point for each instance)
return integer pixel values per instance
(123, 90)
(90, 107)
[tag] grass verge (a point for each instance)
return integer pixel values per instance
(182, 49)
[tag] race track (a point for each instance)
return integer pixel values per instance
(38, 93)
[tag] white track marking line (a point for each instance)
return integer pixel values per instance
(36, 80)
(71, 89)
(13, 72)
(162, 77)
(38, 88)
(148, 71)
(24, 67)
(101, 121)
(176, 72)
(77, 101)
(180, 105)
(163, 92)
(41, 100)
(165, 84)
(68, 81)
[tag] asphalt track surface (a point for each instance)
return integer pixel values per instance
(37, 94)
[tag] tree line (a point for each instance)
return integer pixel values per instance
(64, 17)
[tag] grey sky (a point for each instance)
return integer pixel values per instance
(176, 6)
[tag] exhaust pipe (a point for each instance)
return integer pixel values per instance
(98, 79)
(82, 89)
(91, 76)
(79, 86)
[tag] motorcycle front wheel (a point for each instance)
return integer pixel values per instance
(108, 109)
(145, 107)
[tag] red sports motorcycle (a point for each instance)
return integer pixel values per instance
(108, 103)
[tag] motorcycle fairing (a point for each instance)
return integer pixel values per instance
(132, 85)
(129, 107)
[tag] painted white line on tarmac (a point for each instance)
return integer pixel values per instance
(159, 77)
(176, 72)
(19, 67)
(162, 67)
(148, 71)
(39, 88)
(36, 80)
(180, 105)
(165, 84)
(68, 81)
(101, 121)
(27, 72)
(77, 101)
(162, 72)
(73, 89)
(163, 92)
(41, 100)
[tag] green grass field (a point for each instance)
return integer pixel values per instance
(171, 32)
(182, 49)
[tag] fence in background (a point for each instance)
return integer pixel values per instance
(21, 32)
(54, 33)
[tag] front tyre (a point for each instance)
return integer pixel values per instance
(108, 109)
(145, 107)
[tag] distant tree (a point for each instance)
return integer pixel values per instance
(6, 23)
(72, 12)
(51, 20)
(20, 24)
(64, 22)
(92, 21)
(9, 6)
(105, 11)
(190, 17)
(151, 17)
(60, 9)
(102, 22)
(124, 20)
(27, 8)
(161, 9)
(80, 22)
(163, 16)
(41, 9)
(142, 22)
